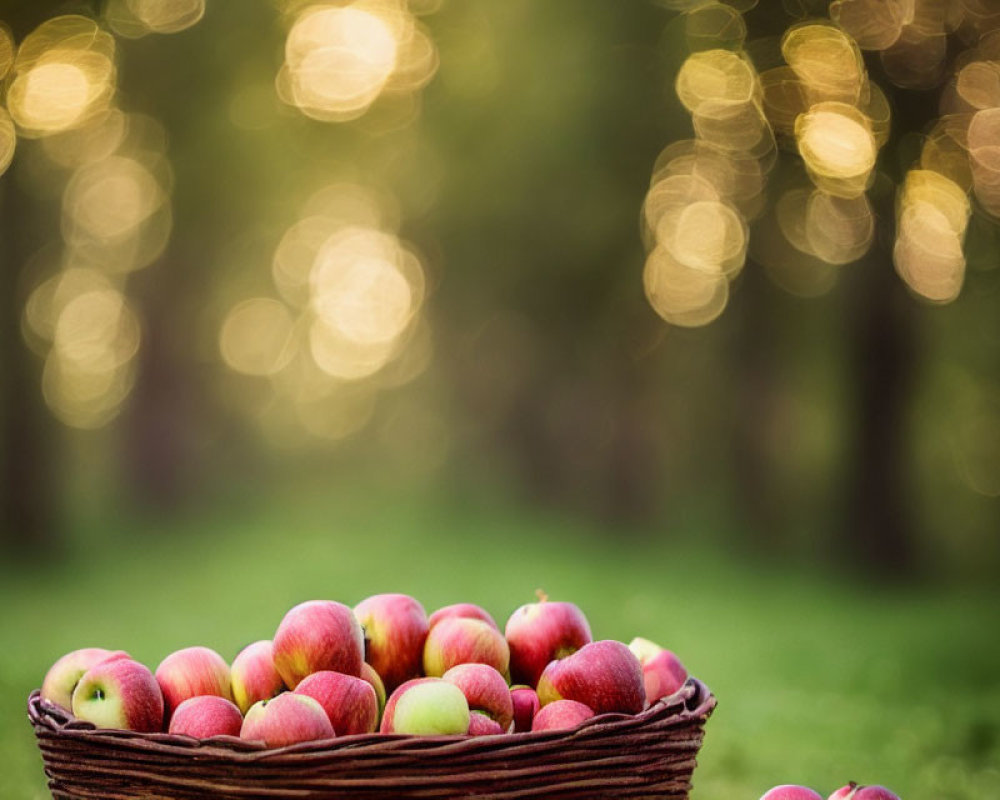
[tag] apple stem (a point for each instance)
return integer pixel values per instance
(540, 594)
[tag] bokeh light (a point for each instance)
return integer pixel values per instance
(257, 337)
(7, 50)
(838, 148)
(115, 218)
(89, 335)
(115, 213)
(932, 218)
(96, 140)
(352, 295)
(826, 60)
(704, 191)
(8, 140)
(64, 74)
(136, 18)
(339, 59)
(874, 24)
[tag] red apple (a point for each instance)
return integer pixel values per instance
(286, 719)
(119, 693)
(318, 635)
(395, 627)
(605, 675)
(790, 791)
(461, 640)
(65, 674)
(205, 716)
(369, 674)
(482, 725)
(349, 702)
(844, 792)
(561, 715)
(874, 793)
(462, 611)
(191, 672)
(426, 706)
(542, 632)
(526, 706)
(662, 671)
(253, 675)
(485, 690)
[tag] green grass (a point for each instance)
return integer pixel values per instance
(818, 681)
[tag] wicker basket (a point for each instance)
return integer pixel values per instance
(650, 755)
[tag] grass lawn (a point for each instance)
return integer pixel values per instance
(818, 681)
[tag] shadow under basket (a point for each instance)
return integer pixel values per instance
(649, 755)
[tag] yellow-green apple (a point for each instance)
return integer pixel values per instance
(286, 719)
(526, 705)
(426, 707)
(318, 635)
(561, 715)
(464, 611)
(349, 702)
(462, 640)
(542, 632)
(369, 674)
(119, 693)
(395, 627)
(485, 690)
(65, 674)
(206, 715)
(844, 792)
(482, 725)
(662, 671)
(253, 675)
(605, 675)
(191, 672)
(874, 793)
(788, 791)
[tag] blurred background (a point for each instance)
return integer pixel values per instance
(682, 310)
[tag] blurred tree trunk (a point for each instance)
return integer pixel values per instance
(879, 532)
(754, 410)
(27, 465)
(158, 420)
(880, 525)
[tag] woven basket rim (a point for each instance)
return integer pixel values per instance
(694, 701)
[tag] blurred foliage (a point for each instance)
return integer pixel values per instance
(514, 171)
(690, 484)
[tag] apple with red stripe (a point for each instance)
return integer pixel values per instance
(253, 675)
(486, 692)
(191, 672)
(541, 632)
(286, 719)
(318, 635)
(205, 716)
(463, 640)
(462, 611)
(561, 715)
(395, 628)
(349, 702)
(65, 674)
(605, 676)
(119, 693)
(525, 702)
(662, 671)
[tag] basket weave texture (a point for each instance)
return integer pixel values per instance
(649, 755)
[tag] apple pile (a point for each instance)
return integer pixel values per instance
(851, 791)
(383, 666)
